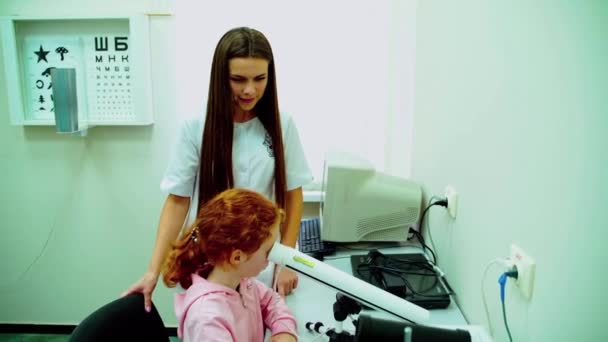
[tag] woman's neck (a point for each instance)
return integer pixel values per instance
(241, 115)
(224, 277)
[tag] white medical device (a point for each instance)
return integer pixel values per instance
(350, 286)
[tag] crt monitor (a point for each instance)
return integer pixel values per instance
(359, 203)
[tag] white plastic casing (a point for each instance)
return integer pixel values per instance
(349, 285)
(526, 267)
(452, 197)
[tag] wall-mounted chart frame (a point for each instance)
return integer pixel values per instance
(111, 56)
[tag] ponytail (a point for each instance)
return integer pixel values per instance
(234, 219)
(184, 259)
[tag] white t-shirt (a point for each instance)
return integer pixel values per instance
(252, 160)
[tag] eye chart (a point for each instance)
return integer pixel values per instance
(109, 78)
(103, 74)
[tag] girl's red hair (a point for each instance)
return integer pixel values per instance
(234, 219)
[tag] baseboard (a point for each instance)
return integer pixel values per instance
(36, 329)
(50, 329)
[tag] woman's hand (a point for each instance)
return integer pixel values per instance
(287, 281)
(283, 337)
(145, 285)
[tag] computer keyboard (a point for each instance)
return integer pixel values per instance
(309, 240)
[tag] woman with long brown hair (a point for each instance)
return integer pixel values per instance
(244, 141)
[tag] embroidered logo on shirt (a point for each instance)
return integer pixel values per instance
(268, 144)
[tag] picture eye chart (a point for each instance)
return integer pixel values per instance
(110, 56)
(103, 74)
(41, 55)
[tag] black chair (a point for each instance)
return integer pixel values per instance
(120, 320)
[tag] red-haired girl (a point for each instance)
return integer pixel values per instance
(216, 260)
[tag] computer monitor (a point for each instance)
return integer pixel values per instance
(359, 203)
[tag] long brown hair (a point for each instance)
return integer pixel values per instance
(215, 173)
(234, 219)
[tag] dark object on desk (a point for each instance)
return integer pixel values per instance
(343, 308)
(310, 242)
(122, 320)
(372, 329)
(320, 328)
(377, 329)
(408, 276)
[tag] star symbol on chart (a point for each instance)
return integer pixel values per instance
(41, 54)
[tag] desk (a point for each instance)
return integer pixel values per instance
(313, 301)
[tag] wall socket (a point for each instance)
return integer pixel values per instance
(452, 197)
(526, 267)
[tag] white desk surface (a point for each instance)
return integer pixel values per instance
(313, 301)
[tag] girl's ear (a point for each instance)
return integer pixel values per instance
(237, 257)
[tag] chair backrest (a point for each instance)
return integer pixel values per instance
(122, 319)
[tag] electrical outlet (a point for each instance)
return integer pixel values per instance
(526, 267)
(452, 197)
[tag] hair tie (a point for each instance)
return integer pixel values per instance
(194, 236)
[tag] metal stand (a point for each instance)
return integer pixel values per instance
(343, 307)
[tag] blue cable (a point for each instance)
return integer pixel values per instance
(502, 280)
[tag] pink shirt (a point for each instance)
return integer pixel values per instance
(213, 312)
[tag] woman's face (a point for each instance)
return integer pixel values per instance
(248, 80)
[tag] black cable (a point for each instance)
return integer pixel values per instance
(378, 265)
(504, 316)
(424, 245)
(502, 280)
(441, 202)
(407, 284)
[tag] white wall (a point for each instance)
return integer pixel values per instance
(344, 69)
(79, 215)
(511, 109)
